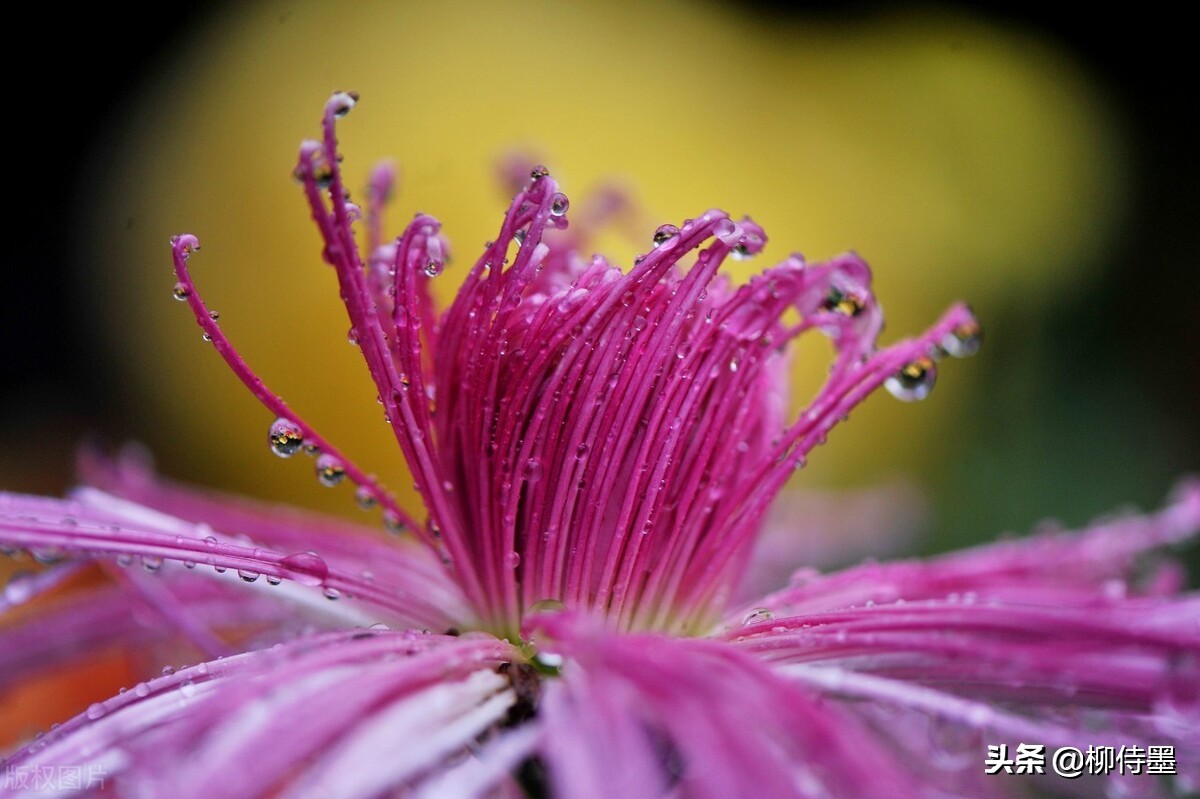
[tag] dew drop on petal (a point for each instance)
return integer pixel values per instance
(306, 568)
(285, 437)
(330, 470)
(757, 615)
(914, 381)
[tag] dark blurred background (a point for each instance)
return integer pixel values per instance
(1087, 402)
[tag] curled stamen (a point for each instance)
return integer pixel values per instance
(181, 248)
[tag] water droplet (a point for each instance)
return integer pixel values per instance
(273, 579)
(757, 615)
(364, 497)
(664, 234)
(842, 302)
(392, 522)
(537, 173)
(285, 437)
(151, 563)
(548, 663)
(95, 711)
(248, 575)
(306, 568)
(142, 690)
(728, 231)
(330, 471)
(352, 337)
(434, 267)
(214, 315)
(581, 451)
(964, 340)
(206, 338)
(547, 606)
(345, 101)
(559, 204)
(19, 588)
(519, 237)
(532, 471)
(512, 560)
(914, 381)
(332, 593)
(181, 292)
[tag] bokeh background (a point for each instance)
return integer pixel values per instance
(1039, 166)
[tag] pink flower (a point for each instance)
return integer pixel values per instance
(596, 451)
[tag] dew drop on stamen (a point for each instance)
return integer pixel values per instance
(95, 711)
(964, 340)
(346, 102)
(842, 302)
(332, 593)
(285, 437)
(532, 471)
(914, 381)
(559, 204)
(364, 497)
(151, 563)
(392, 523)
(306, 568)
(181, 292)
(434, 267)
(330, 471)
(728, 231)
(247, 575)
(664, 234)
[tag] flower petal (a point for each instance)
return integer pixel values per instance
(649, 716)
(246, 724)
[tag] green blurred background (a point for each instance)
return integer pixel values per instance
(1038, 166)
